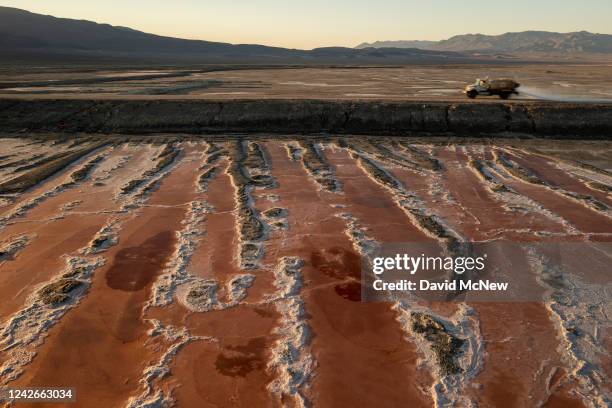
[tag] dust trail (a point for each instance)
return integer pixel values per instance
(550, 95)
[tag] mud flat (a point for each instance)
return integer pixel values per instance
(479, 213)
(308, 116)
(143, 254)
(147, 300)
(582, 79)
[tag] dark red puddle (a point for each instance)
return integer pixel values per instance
(134, 268)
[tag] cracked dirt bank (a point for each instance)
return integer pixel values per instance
(307, 116)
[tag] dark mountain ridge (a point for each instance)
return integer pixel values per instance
(23, 33)
(519, 42)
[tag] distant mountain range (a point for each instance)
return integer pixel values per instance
(521, 42)
(26, 35)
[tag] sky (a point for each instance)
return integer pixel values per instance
(320, 23)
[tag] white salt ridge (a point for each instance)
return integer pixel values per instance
(153, 394)
(106, 169)
(273, 198)
(294, 151)
(202, 185)
(25, 330)
(515, 201)
(148, 184)
(237, 288)
(411, 158)
(320, 175)
(188, 239)
(589, 202)
(437, 187)
(583, 173)
(358, 235)
(251, 258)
(409, 201)
(291, 362)
(279, 222)
(393, 158)
(201, 295)
(71, 205)
(265, 169)
(583, 314)
(34, 202)
(13, 245)
(105, 238)
(246, 259)
(448, 391)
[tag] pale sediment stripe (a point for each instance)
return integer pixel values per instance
(153, 393)
(11, 246)
(188, 239)
(493, 176)
(69, 181)
(26, 330)
(142, 187)
(413, 206)
(581, 312)
(519, 172)
(316, 165)
(106, 170)
(454, 355)
(292, 363)
(294, 151)
(453, 349)
(249, 170)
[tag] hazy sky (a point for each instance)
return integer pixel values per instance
(316, 23)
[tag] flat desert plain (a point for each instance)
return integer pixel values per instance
(569, 81)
